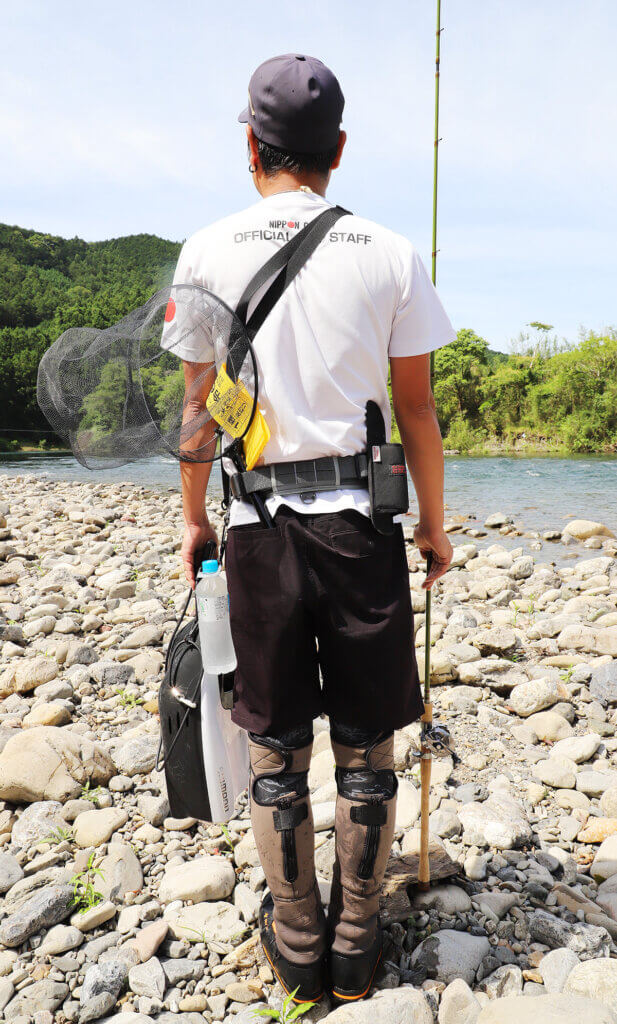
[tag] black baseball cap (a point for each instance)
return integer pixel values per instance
(295, 103)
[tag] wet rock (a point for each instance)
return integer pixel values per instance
(582, 529)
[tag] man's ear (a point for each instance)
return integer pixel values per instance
(342, 139)
(252, 143)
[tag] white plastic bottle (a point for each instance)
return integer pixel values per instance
(217, 649)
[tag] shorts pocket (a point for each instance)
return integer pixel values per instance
(355, 543)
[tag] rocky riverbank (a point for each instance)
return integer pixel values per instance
(113, 911)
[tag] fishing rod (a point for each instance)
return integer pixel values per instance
(427, 743)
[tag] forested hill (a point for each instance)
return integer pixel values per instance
(48, 284)
(548, 394)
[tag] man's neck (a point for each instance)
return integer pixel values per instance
(286, 182)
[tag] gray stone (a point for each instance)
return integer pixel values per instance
(603, 683)
(497, 640)
(101, 988)
(37, 822)
(153, 808)
(41, 995)
(495, 904)
(137, 756)
(121, 872)
(556, 967)
(182, 969)
(449, 954)
(505, 981)
(586, 940)
(546, 1009)
(446, 899)
(390, 1006)
(47, 907)
(10, 871)
(112, 673)
(499, 822)
(148, 979)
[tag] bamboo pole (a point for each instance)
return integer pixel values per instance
(424, 869)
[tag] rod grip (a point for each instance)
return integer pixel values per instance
(424, 867)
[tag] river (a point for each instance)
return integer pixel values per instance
(540, 493)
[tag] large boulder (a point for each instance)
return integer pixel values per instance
(499, 822)
(536, 695)
(51, 763)
(596, 979)
(583, 529)
(557, 1008)
(390, 1006)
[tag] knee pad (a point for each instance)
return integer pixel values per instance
(367, 784)
(279, 781)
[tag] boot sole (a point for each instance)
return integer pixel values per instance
(267, 935)
(350, 997)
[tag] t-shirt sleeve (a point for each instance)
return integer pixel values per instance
(420, 324)
(186, 329)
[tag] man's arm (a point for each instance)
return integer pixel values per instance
(414, 408)
(198, 380)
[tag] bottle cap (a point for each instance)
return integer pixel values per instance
(210, 566)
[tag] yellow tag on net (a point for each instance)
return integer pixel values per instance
(257, 437)
(230, 404)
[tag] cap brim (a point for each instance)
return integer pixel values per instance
(243, 117)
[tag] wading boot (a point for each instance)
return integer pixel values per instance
(291, 919)
(365, 812)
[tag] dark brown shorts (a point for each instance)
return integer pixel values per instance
(321, 592)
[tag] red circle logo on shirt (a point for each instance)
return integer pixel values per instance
(291, 224)
(170, 312)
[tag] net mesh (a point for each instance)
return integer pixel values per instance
(139, 387)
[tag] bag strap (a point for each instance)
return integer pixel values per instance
(288, 260)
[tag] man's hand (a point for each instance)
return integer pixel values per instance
(436, 544)
(196, 536)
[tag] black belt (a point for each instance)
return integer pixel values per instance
(307, 477)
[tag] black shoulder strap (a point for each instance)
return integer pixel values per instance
(288, 260)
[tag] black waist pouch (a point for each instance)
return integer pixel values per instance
(387, 473)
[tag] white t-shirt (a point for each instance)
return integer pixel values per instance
(323, 351)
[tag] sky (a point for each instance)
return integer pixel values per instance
(121, 118)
